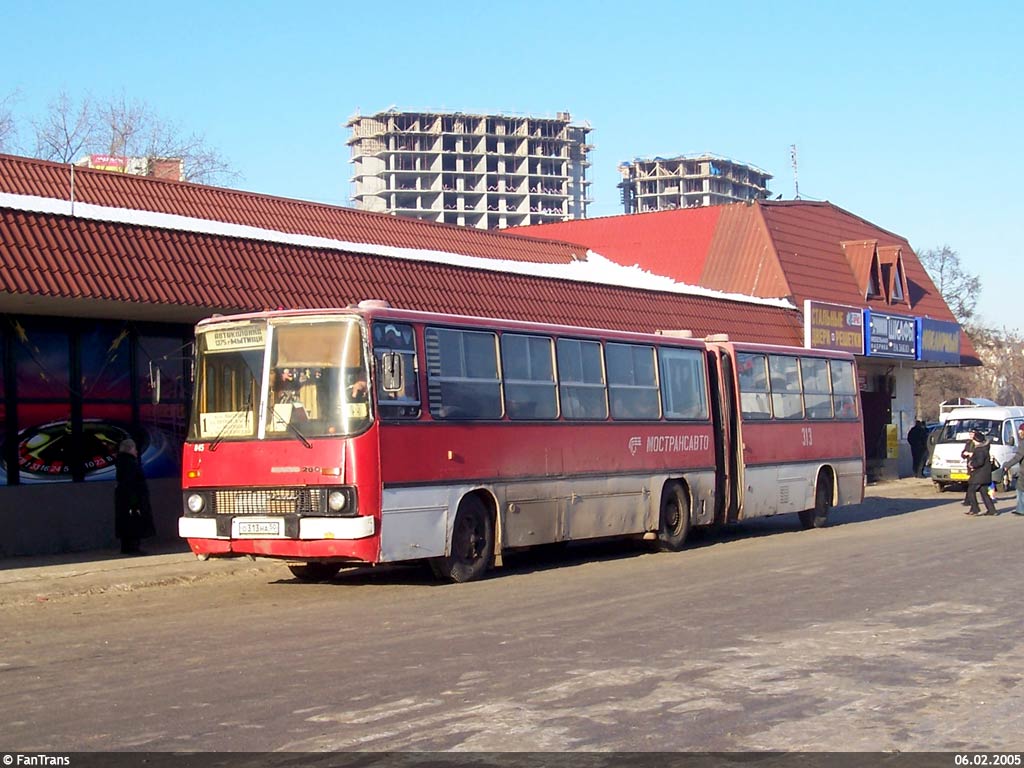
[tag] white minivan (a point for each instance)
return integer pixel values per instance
(999, 423)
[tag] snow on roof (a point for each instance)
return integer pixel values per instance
(594, 269)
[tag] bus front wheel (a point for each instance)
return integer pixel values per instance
(472, 544)
(817, 516)
(314, 571)
(674, 522)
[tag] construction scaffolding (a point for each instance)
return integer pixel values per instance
(688, 181)
(483, 171)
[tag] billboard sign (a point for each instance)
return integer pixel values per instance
(833, 326)
(891, 335)
(939, 341)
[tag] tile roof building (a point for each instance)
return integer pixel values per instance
(103, 274)
(852, 278)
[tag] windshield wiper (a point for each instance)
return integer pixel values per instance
(294, 429)
(230, 422)
(288, 424)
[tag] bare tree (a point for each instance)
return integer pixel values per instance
(65, 131)
(125, 128)
(8, 132)
(959, 288)
(1000, 376)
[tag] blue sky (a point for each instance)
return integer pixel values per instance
(907, 114)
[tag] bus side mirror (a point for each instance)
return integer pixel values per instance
(154, 382)
(392, 373)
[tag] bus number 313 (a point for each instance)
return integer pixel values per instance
(808, 438)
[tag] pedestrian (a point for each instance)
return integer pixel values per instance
(918, 439)
(979, 464)
(133, 515)
(1018, 460)
(965, 454)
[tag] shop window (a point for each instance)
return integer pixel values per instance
(105, 363)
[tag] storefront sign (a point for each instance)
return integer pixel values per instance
(833, 326)
(939, 341)
(891, 335)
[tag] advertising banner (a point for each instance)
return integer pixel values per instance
(939, 341)
(891, 335)
(833, 326)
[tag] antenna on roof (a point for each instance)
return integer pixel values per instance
(796, 181)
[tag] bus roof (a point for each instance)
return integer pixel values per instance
(379, 310)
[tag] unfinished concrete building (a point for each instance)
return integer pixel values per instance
(483, 171)
(688, 181)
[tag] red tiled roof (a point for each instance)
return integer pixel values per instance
(63, 257)
(672, 243)
(792, 249)
(808, 238)
(25, 176)
(741, 258)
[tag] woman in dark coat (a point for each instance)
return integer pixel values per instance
(133, 515)
(979, 464)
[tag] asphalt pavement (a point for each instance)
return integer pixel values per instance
(54, 577)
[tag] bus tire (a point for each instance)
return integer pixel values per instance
(939, 487)
(472, 544)
(314, 571)
(817, 516)
(674, 518)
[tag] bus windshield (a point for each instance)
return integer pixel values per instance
(294, 378)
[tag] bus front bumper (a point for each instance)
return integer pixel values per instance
(272, 528)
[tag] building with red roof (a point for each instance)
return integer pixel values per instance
(860, 287)
(104, 274)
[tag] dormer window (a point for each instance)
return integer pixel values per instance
(874, 288)
(897, 282)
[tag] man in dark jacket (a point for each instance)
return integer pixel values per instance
(1016, 460)
(918, 439)
(979, 463)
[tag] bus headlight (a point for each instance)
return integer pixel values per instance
(195, 503)
(336, 501)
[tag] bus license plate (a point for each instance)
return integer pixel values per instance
(259, 528)
(959, 476)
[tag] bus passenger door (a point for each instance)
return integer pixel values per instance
(728, 449)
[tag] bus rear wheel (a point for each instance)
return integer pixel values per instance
(674, 522)
(472, 545)
(817, 517)
(314, 571)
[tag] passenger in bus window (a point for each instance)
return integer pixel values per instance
(357, 391)
(286, 385)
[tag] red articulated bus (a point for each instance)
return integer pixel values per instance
(344, 437)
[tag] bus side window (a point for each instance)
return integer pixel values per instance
(581, 383)
(817, 387)
(528, 372)
(632, 381)
(753, 376)
(787, 400)
(398, 338)
(462, 374)
(844, 389)
(683, 390)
